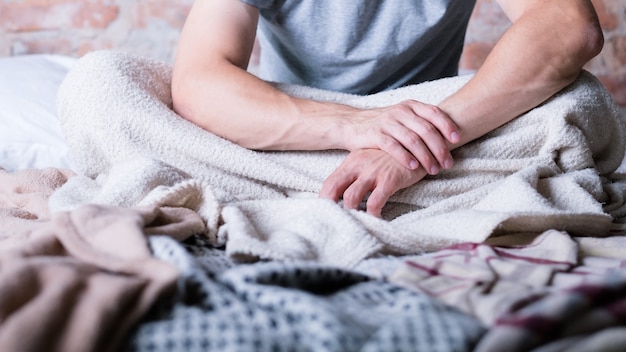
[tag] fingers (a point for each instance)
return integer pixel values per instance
(352, 191)
(438, 118)
(424, 131)
(349, 183)
(353, 194)
(413, 133)
(370, 172)
(377, 200)
(433, 129)
(348, 187)
(335, 185)
(356, 193)
(404, 156)
(427, 146)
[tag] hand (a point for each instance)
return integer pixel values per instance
(368, 170)
(413, 133)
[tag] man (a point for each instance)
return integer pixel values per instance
(362, 47)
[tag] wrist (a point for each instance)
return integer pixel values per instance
(329, 125)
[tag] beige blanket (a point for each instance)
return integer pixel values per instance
(78, 280)
(551, 168)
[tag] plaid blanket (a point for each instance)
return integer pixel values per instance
(555, 292)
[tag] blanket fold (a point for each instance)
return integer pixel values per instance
(553, 167)
(548, 292)
(78, 280)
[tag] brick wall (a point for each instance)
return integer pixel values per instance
(152, 27)
(75, 27)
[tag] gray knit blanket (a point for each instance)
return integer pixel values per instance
(277, 306)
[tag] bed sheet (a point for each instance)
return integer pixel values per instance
(30, 136)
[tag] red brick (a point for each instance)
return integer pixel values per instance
(99, 14)
(474, 54)
(613, 54)
(41, 45)
(488, 12)
(616, 85)
(173, 12)
(86, 45)
(608, 19)
(36, 15)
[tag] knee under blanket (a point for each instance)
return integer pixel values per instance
(553, 167)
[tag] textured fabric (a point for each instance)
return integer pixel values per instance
(294, 307)
(361, 46)
(577, 316)
(488, 281)
(79, 280)
(546, 169)
(30, 136)
(547, 293)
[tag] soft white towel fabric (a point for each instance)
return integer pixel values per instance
(551, 168)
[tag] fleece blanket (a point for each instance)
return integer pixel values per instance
(60, 273)
(553, 167)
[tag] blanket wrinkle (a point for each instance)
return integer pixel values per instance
(301, 306)
(154, 184)
(295, 234)
(28, 190)
(551, 168)
(78, 280)
(23, 201)
(545, 290)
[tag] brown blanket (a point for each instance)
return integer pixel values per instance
(77, 280)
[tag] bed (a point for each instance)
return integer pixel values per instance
(110, 242)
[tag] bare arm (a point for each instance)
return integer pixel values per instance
(211, 88)
(542, 52)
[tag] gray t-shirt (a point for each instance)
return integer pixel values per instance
(360, 46)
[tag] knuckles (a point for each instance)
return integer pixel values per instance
(402, 109)
(330, 188)
(351, 199)
(442, 153)
(375, 203)
(388, 144)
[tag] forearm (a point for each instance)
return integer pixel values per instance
(541, 53)
(211, 88)
(238, 106)
(221, 97)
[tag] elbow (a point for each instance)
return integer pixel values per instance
(585, 41)
(591, 39)
(180, 91)
(579, 44)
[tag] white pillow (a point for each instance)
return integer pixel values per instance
(30, 134)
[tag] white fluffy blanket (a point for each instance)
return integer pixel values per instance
(551, 168)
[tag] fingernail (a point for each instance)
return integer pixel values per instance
(413, 164)
(448, 163)
(434, 170)
(454, 136)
